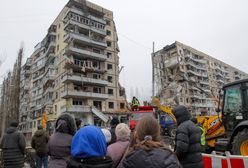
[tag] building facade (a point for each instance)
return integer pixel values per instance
(190, 77)
(74, 69)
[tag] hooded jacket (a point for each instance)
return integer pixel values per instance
(188, 140)
(155, 158)
(59, 145)
(89, 148)
(117, 150)
(39, 142)
(13, 146)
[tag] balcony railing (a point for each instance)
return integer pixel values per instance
(75, 109)
(80, 79)
(84, 39)
(198, 73)
(48, 78)
(83, 94)
(198, 96)
(84, 53)
(199, 60)
(204, 82)
(79, 12)
(196, 66)
(202, 104)
(48, 102)
(84, 26)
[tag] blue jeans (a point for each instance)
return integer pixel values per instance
(43, 160)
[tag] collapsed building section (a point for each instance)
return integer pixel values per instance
(189, 77)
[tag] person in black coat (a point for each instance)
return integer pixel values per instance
(188, 139)
(148, 151)
(113, 123)
(13, 146)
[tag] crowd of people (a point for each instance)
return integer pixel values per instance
(73, 146)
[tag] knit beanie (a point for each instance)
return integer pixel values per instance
(122, 131)
(107, 134)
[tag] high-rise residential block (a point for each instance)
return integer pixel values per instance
(190, 77)
(74, 69)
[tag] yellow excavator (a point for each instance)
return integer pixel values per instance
(212, 124)
(228, 131)
(213, 127)
(166, 118)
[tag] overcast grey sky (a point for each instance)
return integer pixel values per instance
(216, 27)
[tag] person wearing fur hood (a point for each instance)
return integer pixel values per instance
(59, 145)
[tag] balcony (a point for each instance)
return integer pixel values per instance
(37, 77)
(171, 62)
(204, 82)
(33, 104)
(82, 94)
(198, 96)
(71, 64)
(48, 78)
(84, 53)
(38, 107)
(219, 74)
(81, 79)
(50, 48)
(198, 73)
(84, 26)
(191, 63)
(80, 38)
(202, 105)
(75, 109)
(199, 60)
(36, 97)
(220, 81)
(79, 12)
(50, 57)
(48, 102)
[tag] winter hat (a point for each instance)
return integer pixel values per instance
(122, 131)
(107, 134)
(14, 124)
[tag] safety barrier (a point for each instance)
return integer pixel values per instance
(214, 161)
(228, 161)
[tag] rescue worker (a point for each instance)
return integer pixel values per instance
(203, 133)
(135, 104)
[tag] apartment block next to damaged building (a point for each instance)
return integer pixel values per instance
(190, 76)
(74, 69)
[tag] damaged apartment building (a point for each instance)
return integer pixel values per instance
(189, 77)
(74, 69)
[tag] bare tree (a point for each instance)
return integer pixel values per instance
(10, 101)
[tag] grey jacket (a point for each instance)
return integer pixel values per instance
(59, 148)
(13, 145)
(117, 150)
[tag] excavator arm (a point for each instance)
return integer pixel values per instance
(163, 108)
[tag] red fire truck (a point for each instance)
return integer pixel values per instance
(140, 112)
